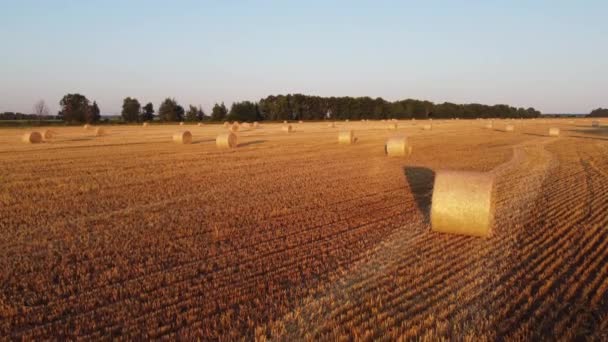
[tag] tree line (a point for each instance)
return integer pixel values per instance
(600, 112)
(76, 108)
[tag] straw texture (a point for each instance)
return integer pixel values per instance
(32, 138)
(397, 147)
(346, 137)
(462, 203)
(287, 129)
(184, 137)
(226, 140)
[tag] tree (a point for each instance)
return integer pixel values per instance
(75, 108)
(169, 110)
(192, 113)
(148, 112)
(219, 112)
(200, 114)
(600, 112)
(41, 110)
(94, 114)
(130, 109)
(243, 111)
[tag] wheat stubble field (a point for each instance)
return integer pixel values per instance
(292, 236)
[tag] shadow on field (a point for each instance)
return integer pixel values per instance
(600, 131)
(202, 141)
(253, 142)
(421, 180)
(537, 135)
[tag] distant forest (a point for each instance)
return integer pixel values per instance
(600, 112)
(76, 108)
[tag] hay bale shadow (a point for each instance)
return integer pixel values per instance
(253, 142)
(421, 181)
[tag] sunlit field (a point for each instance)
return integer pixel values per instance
(294, 236)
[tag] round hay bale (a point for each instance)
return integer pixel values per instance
(392, 126)
(256, 124)
(462, 203)
(427, 127)
(553, 132)
(183, 137)
(300, 121)
(397, 147)
(234, 128)
(489, 125)
(200, 124)
(346, 137)
(47, 134)
(86, 126)
(284, 121)
(287, 129)
(181, 123)
(509, 128)
(99, 132)
(595, 123)
(32, 138)
(226, 140)
(145, 124)
(226, 124)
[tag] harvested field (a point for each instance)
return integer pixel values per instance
(293, 236)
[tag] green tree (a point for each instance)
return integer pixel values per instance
(243, 111)
(130, 109)
(170, 110)
(200, 114)
(75, 108)
(148, 112)
(192, 113)
(219, 112)
(94, 114)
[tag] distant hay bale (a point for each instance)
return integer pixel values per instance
(234, 128)
(489, 125)
(200, 124)
(226, 124)
(47, 134)
(509, 128)
(86, 126)
(32, 138)
(346, 120)
(284, 121)
(183, 137)
(346, 137)
(300, 121)
(181, 123)
(145, 124)
(287, 129)
(462, 203)
(332, 125)
(595, 123)
(226, 140)
(99, 132)
(427, 127)
(256, 124)
(397, 147)
(553, 131)
(392, 126)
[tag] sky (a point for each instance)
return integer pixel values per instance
(550, 55)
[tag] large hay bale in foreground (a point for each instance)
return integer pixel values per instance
(346, 137)
(509, 128)
(553, 132)
(287, 129)
(226, 140)
(184, 137)
(462, 203)
(397, 147)
(32, 138)
(99, 132)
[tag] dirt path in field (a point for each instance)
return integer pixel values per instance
(419, 271)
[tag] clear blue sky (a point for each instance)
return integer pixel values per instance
(552, 55)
